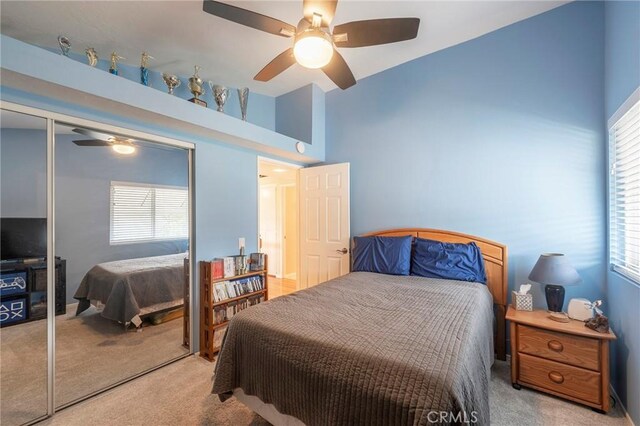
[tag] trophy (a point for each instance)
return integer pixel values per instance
(113, 68)
(243, 95)
(220, 94)
(195, 86)
(144, 71)
(65, 45)
(92, 56)
(171, 81)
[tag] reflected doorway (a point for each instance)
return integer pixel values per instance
(278, 223)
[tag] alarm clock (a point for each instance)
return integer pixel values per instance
(580, 309)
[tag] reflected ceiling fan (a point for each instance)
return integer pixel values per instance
(315, 43)
(119, 144)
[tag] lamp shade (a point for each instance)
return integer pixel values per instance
(554, 269)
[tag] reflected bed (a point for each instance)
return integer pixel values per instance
(131, 288)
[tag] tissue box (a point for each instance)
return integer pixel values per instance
(522, 302)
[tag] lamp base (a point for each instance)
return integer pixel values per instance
(555, 297)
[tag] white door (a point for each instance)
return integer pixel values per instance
(324, 223)
(269, 227)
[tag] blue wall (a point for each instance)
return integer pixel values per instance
(622, 77)
(23, 172)
(500, 137)
(294, 114)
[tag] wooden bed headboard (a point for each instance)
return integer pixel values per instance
(495, 261)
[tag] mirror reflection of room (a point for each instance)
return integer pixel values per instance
(23, 277)
(122, 226)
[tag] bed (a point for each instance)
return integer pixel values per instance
(132, 288)
(371, 348)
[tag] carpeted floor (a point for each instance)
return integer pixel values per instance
(179, 394)
(91, 354)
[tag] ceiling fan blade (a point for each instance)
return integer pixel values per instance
(338, 71)
(376, 31)
(92, 142)
(93, 134)
(276, 66)
(325, 8)
(248, 18)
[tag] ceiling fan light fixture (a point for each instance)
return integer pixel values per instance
(313, 48)
(123, 148)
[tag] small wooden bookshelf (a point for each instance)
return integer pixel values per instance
(212, 331)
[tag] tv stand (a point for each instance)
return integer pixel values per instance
(23, 290)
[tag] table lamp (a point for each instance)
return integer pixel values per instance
(554, 270)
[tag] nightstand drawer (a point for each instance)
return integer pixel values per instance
(575, 350)
(565, 379)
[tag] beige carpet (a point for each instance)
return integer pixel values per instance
(179, 394)
(92, 353)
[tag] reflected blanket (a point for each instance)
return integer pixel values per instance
(132, 287)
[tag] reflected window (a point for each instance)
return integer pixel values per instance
(142, 213)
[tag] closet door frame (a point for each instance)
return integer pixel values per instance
(53, 118)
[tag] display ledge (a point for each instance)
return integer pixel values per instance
(71, 84)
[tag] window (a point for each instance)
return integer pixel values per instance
(624, 203)
(142, 212)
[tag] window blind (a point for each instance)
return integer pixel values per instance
(148, 213)
(624, 203)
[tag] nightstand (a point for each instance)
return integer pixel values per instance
(567, 360)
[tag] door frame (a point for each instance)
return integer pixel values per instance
(261, 158)
(53, 118)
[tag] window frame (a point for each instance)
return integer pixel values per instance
(632, 102)
(150, 186)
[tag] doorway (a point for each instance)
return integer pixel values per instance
(278, 223)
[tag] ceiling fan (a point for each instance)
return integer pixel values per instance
(315, 43)
(120, 144)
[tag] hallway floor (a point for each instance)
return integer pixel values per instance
(280, 286)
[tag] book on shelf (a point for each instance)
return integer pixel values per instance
(217, 269)
(229, 267)
(220, 292)
(241, 264)
(256, 261)
(219, 315)
(218, 336)
(230, 290)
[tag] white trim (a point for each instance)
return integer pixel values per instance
(51, 269)
(622, 110)
(94, 125)
(274, 161)
(615, 396)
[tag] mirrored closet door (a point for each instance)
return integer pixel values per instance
(122, 232)
(23, 281)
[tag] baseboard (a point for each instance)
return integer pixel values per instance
(615, 396)
(291, 276)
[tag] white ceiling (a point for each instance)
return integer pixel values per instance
(179, 34)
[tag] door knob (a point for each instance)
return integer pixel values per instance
(343, 251)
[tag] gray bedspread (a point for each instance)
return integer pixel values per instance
(129, 287)
(366, 349)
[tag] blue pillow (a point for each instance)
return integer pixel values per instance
(384, 255)
(453, 261)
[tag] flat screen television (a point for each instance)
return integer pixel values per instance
(23, 238)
